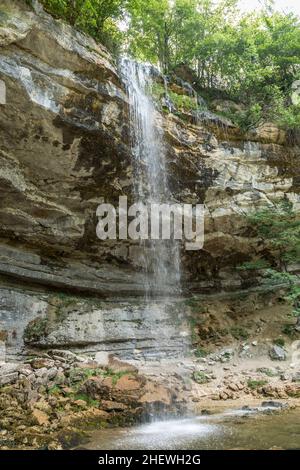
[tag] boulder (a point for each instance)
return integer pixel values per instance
(40, 417)
(155, 394)
(277, 353)
(8, 378)
(102, 358)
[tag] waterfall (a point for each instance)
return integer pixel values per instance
(160, 258)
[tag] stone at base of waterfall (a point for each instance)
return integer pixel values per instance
(277, 353)
(102, 358)
(127, 389)
(8, 373)
(40, 417)
(296, 376)
(156, 394)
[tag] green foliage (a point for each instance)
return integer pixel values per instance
(289, 117)
(98, 18)
(254, 58)
(247, 119)
(200, 352)
(289, 330)
(268, 372)
(116, 375)
(239, 332)
(35, 330)
(279, 227)
(279, 342)
(87, 399)
(55, 390)
(183, 103)
(254, 265)
(294, 297)
(200, 377)
(255, 384)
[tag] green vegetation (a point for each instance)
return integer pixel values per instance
(116, 375)
(77, 377)
(278, 227)
(268, 372)
(55, 390)
(88, 400)
(255, 384)
(35, 330)
(200, 352)
(253, 265)
(200, 377)
(249, 58)
(98, 18)
(239, 333)
(279, 342)
(289, 330)
(182, 102)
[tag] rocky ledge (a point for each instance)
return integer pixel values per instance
(55, 399)
(52, 400)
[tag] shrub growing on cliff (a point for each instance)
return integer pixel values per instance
(253, 58)
(278, 227)
(97, 18)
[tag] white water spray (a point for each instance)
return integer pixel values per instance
(161, 258)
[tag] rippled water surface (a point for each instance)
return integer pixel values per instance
(233, 429)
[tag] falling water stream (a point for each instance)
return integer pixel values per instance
(160, 258)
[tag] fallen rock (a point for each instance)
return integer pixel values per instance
(40, 417)
(156, 394)
(102, 358)
(8, 378)
(277, 353)
(128, 383)
(296, 377)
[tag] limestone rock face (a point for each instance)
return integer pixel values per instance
(64, 148)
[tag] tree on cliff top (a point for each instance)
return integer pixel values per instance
(253, 58)
(97, 18)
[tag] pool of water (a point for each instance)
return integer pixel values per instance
(233, 429)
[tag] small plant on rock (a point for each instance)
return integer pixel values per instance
(255, 384)
(200, 377)
(200, 352)
(239, 332)
(279, 342)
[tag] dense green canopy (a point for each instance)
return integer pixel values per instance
(253, 58)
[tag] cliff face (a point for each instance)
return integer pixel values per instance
(64, 146)
(233, 174)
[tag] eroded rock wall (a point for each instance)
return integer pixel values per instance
(64, 147)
